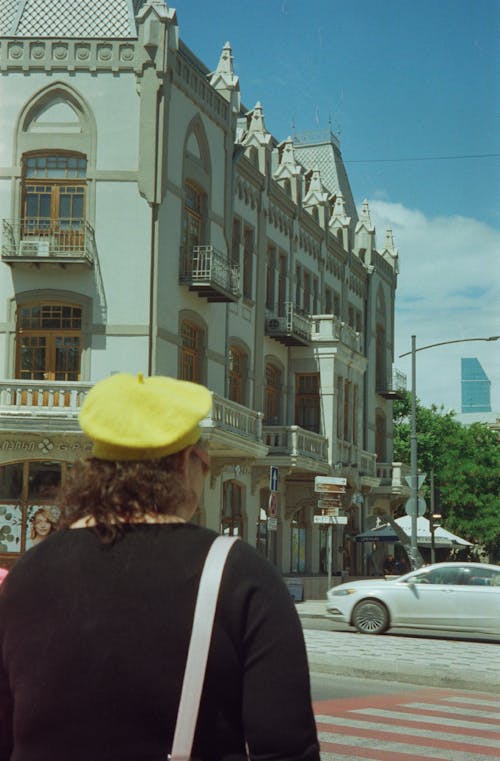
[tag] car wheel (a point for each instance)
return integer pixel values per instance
(370, 617)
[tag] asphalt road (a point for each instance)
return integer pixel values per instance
(326, 624)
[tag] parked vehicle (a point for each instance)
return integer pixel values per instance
(449, 596)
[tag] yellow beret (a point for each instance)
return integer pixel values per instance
(129, 417)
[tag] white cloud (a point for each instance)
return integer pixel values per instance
(448, 289)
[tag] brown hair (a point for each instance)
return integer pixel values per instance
(114, 493)
(48, 516)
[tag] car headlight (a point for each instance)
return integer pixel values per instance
(342, 592)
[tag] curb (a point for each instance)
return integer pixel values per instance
(482, 682)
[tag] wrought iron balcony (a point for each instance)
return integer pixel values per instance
(43, 240)
(394, 388)
(207, 271)
(291, 328)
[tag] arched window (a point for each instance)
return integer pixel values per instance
(272, 395)
(232, 511)
(238, 366)
(298, 527)
(54, 199)
(192, 346)
(49, 342)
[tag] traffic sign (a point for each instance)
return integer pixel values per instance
(273, 478)
(272, 508)
(420, 480)
(410, 506)
(272, 524)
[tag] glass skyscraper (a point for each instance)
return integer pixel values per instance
(475, 387)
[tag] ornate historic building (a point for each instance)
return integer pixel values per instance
(151, 223)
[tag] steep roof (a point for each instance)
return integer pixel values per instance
(321, 150)
(69, 18)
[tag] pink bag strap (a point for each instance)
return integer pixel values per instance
(199, 644)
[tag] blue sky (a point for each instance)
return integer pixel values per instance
(412, 89)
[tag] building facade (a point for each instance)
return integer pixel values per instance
(151, 223)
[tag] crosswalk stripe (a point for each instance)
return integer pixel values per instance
(495, 715)
(429, 718)
(347, 723)
(435, 726)
(440, 750)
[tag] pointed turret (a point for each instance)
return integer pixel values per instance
(364, 237)
(389, 250)
(288, 172)
(256, 139)
(339, 221)
(224, 80)
(316, 197)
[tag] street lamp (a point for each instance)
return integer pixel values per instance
(413, 435)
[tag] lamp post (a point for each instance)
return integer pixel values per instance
(413, 429)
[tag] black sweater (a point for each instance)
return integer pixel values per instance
(94, 640)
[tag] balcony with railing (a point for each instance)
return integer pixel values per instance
(54, 405)
(393, 387)
(393, 477)
(208, 272)
(294, 441)
(37, 240)
(327, 327)
(350, 459)
(291, 328)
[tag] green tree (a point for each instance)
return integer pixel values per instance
(466, 463)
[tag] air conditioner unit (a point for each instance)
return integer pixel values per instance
(276, 324)
(33, 247)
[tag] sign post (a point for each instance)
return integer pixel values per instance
(331, 490)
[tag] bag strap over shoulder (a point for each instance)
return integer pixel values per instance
(199, 644)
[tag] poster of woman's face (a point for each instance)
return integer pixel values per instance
(42, 521)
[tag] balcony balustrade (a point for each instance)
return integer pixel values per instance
(348, 457)
(291, 328)
(393, 477)
(294, 441)
(43, 240)
(234, 418)
(327, 327)
(31, 403)
(207, 271)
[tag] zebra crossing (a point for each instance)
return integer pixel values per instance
(435, 725)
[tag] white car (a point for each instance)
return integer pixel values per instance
(449, 596)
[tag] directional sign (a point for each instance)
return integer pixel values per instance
(410, 506)
(273, 478)
(420, 480)
(328, 484)
(330, 519)
(329, 504)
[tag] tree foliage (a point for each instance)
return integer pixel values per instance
(466, 464)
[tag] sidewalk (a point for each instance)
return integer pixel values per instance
(420, 660)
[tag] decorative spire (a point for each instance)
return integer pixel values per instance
(365, 218)
(224, 80)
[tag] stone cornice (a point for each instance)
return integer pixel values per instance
(28, 54)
